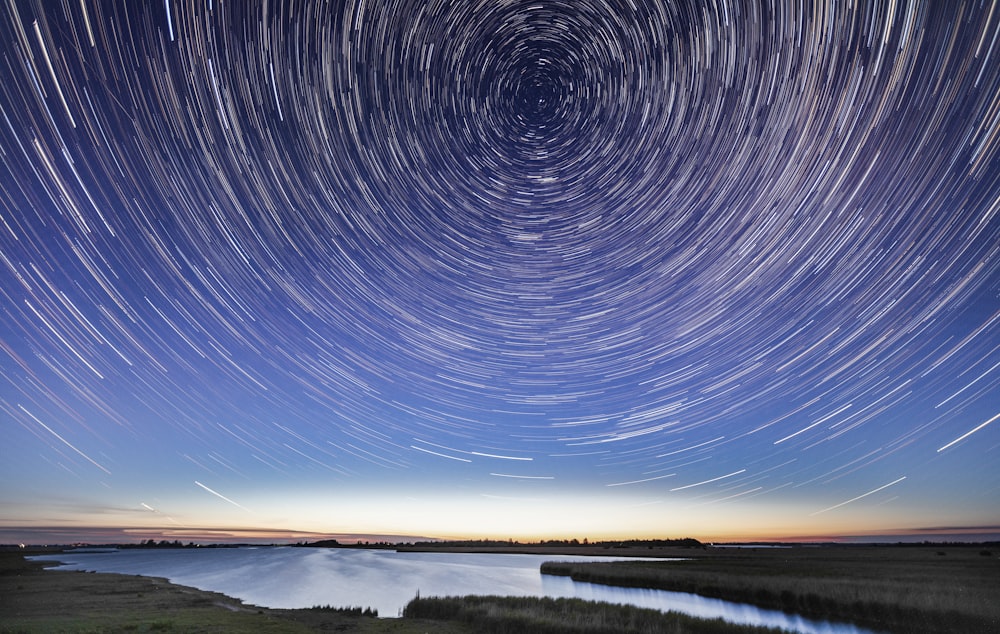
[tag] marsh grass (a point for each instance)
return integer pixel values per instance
(542, 615)
(895, 589)
(349, 611)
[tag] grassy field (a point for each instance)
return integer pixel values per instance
(894, 588)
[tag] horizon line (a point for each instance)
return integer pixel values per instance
(96, 534)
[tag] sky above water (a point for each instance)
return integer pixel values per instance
(589, 269)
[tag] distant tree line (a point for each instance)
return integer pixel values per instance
(686, 542)
(163, 543)
(333, 543)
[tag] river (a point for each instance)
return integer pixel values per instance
(386, 580)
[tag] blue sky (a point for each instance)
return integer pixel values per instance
(516, 270)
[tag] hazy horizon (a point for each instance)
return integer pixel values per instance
(126, 536)
(520, 270)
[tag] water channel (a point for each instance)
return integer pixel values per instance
(386, 580)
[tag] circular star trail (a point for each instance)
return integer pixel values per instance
(746, 247)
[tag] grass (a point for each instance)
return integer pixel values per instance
(352, 611)
(900, 589)
(34, 600)
(515, 615)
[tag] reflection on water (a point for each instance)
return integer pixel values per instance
(691, 604)
(385, 580)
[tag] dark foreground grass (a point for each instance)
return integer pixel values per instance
(516, 615)
(896, 589)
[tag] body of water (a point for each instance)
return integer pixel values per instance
(386, 580)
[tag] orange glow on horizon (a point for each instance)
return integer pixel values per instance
(80, 534)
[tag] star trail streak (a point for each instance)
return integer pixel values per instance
(367, 264)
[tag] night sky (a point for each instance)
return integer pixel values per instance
(505, 269)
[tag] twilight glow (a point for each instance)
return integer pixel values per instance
(499, 269)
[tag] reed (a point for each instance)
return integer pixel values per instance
(894, 589)
(542, 615)
(347, 610)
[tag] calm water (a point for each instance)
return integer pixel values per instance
(285, 577)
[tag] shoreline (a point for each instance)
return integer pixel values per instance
(33, 597)
(871, 586)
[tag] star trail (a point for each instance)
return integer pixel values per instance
(501, 268)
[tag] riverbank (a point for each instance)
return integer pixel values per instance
(33, 599)
(927, 588)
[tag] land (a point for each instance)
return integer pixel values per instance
(33, 599)
(899, 588)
